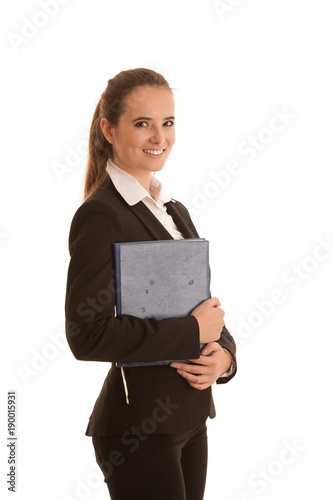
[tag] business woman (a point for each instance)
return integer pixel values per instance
(148, 425)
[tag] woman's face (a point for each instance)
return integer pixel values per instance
(145, 134)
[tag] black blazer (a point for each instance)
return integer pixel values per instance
(159, 398)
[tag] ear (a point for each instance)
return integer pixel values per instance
(107, 130)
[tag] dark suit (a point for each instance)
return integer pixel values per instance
(95, 334)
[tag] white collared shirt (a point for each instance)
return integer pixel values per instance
(132, 192)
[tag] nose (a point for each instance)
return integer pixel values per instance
(157, 135)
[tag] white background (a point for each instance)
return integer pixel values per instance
(232, 65)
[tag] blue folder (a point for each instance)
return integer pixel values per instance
(161, 279)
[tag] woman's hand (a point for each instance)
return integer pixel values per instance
(210, 368)
(210, 318)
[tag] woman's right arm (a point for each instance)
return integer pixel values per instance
(93, 331)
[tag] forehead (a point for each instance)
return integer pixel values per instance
(152, 102)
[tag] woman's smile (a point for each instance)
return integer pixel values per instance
(157, 153)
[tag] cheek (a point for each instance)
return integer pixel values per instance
(140, 139)
(171, 138)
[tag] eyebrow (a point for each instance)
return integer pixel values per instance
(145, 118)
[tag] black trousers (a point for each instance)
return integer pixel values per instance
(154, 466)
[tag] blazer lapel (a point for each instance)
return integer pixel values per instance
(151, 223)
(180, 221)
(154, 226)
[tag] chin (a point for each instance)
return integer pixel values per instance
(158, 168)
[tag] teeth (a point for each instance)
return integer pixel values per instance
(153, 151)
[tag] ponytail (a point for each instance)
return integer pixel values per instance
(100, 150)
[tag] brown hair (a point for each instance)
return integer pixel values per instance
(111, 106)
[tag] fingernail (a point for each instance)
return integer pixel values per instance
(204, 352)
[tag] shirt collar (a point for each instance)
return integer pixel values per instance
(131, 190)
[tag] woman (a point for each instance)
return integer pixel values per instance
(148, 423)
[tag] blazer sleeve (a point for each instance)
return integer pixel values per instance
(227, 342)
(93, 331)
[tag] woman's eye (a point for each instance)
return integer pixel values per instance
(141, 124)
(170, 123)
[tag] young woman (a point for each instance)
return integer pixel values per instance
(148, 424)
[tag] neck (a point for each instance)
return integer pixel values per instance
(143, 177)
